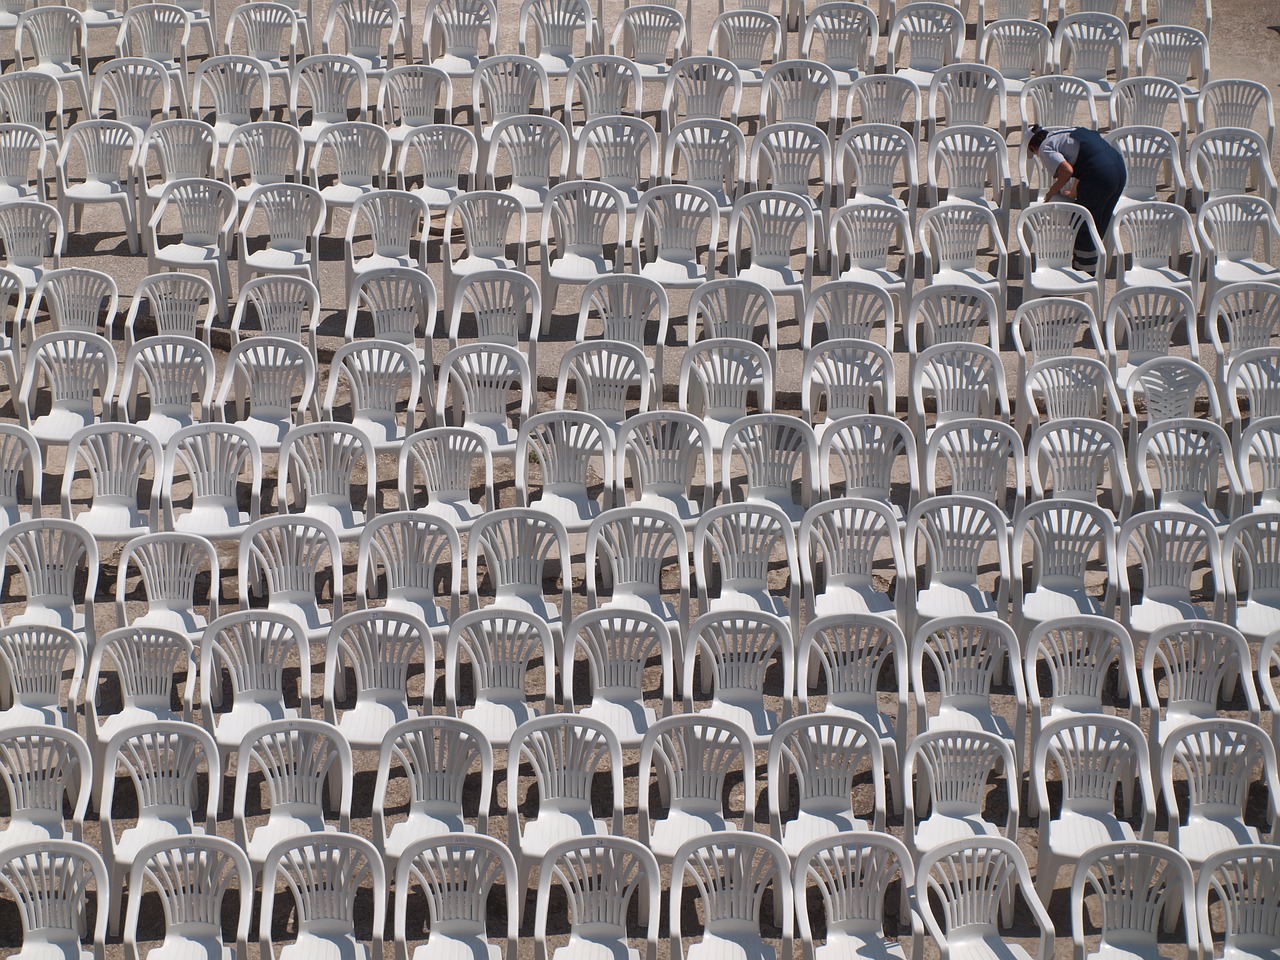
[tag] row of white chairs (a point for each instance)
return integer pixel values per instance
(587, 889)
(301, 763)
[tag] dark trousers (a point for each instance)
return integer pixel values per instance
(1100, 178)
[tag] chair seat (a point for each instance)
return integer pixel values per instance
(368, 721)
(1203, 837)
(1073, 833)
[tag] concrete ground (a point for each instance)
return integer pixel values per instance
(1246, 42)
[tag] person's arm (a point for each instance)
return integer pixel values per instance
(1060, 177)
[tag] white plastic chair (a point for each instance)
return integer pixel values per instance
(294, 215)
(51, 555)
(331, 86)
(1172, 548)
(623, 153)
(1093, 755)
(192, 872)
(239, 89)
(700, 88)
(505, 306)
(73, 367)
(609, 85)
(1227, 162)
(183, 149)
(445, 459)
(769, 223)
(1198, 661)
(1047, 238)
(49, 882)
(950, 237)
(775, 453)
(1256, 453)
(376, 373)
(456, 874)
(1149, 320)
(749, 39)
(1229, 234)
(1019, 49)
(162, 759)
(965, 380)
(1247, 549)
(1241, 880)
(617, 643)
(1154, 235)
(1146, 102)
(827, 754)
(272, 152)
(567, 446)
(671, 221)
(1068, 540)
(851, 652)
(947, 784)
(1094, 47)
(269, 33)
(976, 458)
(717, 377)
(1242, 317)
(970, 93)
(584, 218)
(848, 310)
(170, 565)
(205, 214)
(556, 25)
(968, 655)
(57, 40)
(566, 753)
(789, 157)
(22, 171)
(457, 35)
(381, 646)
(1175, 52)
(108, 152)
(435, 755)
(282, 557)
(1236, 102)
(971, 161)
(1153, 165)
(244, 657)
(736, 308)
(659, 451)
(852, 872)
(737, 648)
(499, 644)
(34, 656)
(731, 872)
(317, 467)
(793, 91)
(1192, 461)
(952, 313)
(857, 457)
(324, 874)
(410, 98)
(1070, 388)
(360, 154)
(42, 767)
(393, 220)
(652, 37)
(285, 307)
(886, 100)
(863, 238)
(733, 546)
(34, 99)
(409, 548)
(604, 374)
(481, 377)
(1139, 882)
(267, 372)
(137, 89)
(33, 234)
(20, 466)
(487, 220)
(847, 35)
(506, 86)
(1049, 328)
(177, 376)
(76, 299)
(1252, 378)
(599, 877)
(146, 661)
(370, 32)
(973, 882)
(517, 544)
(1218, 758)
(212, 457)
(400, 303)
(934, 34)
(692, 757)
(1077, 656)
(846, 378)
(299, 761)
(872, 159)
(709, 153)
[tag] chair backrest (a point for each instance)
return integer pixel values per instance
(1138, 885)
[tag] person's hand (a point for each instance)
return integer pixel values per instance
(1068, 192)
